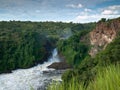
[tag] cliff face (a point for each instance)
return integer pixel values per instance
(103, 34)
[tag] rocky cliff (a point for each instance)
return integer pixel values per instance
(103, 34)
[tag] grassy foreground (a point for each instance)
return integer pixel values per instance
(107, 79)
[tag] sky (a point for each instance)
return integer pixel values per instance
(77, 11)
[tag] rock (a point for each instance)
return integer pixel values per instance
(60, 65)
(103, 34)
(53, 72)
(45, 84)
(52, 76)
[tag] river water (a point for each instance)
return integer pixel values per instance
(32, 78)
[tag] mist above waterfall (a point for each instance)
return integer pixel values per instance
(66, 33)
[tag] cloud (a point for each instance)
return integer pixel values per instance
(111, 10)
(93, 18)
(87, 10)
(88, 15)
(74, 5)
(76, 11)
(114, 7)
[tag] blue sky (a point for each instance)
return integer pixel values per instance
(78, 11)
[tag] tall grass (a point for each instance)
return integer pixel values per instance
(63, 86)
(107, 79)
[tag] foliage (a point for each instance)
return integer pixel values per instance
(87, 26)
(88, 67)
(92, 73)
(102, 20)
(107, 79)
(73, 49)
(24, 44)
(111, 54)
(23, 51)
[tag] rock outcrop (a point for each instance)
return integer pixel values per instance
(103, 34)
(60, 65)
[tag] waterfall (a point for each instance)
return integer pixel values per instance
(25, 79)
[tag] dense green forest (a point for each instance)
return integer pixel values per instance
(73, 49)
(25, 44)
(86, 68)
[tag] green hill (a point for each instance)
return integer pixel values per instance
(104, 44)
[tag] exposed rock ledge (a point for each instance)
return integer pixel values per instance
(103, 34)
(60, 65)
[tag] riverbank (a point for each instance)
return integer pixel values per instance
(37, 77)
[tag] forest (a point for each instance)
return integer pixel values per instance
(25, 44)
(90, 73)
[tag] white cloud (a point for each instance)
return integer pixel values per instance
(87, 10)
(107, 12)
(114, 7)
(74, 5)
(111, 10)
(93, 18)
(88, 15)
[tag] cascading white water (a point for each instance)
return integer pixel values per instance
(25, 79)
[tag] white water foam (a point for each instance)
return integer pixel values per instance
(26, 79)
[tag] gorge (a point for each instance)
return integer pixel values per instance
(25, 51)
(32, 78)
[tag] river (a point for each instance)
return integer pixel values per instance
(32, 78)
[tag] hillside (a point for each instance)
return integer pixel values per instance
(89, 51)
(25, 44)
(103, 34)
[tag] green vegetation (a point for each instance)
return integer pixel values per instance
(107, 78)
(74, 49)
(86, 72)
(22, 49)
(102, 20)
(24, 44)
(111, 54)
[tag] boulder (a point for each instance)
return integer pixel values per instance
(60, 65)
